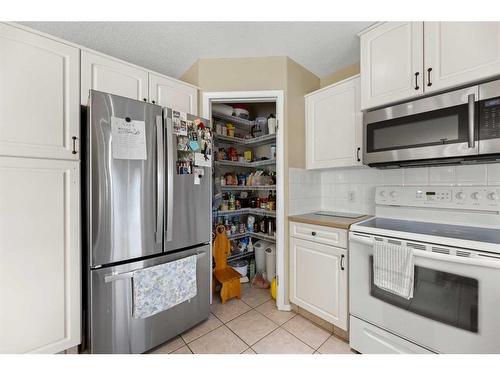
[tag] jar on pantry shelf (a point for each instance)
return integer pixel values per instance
(230, 130)
(263, 203)
(224, 206)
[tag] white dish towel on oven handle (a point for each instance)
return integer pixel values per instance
(393, 268)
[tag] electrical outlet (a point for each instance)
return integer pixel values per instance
(351, 195)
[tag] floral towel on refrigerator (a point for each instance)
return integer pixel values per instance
(161, 287)
(393, 268)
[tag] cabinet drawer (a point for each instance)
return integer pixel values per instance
(320, 234)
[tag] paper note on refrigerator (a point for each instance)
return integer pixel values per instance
(128, 139)
(202, 160)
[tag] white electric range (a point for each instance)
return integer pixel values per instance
(455, 234)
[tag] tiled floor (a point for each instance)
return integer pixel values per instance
(254, 325)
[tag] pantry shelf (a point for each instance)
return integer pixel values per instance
(257, 141)
(242, 211)
(259, 236)
(252, 164)
(233, 119)
(247, 188)
(247, 254)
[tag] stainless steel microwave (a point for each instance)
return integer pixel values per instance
(461, 126)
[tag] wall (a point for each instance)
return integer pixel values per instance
(305, 191)
(340, 74)
(339, 185)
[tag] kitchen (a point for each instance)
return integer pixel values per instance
(209, 213)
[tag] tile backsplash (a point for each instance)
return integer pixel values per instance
(353, 189)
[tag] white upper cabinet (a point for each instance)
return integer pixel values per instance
(112, 76)
(391, 63)
(401, 60)
(171, 93)
(334, 126)
(458, 53)
(40, 267)
(39, 96)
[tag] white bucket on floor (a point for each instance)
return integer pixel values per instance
(260, 256)
(270, 262)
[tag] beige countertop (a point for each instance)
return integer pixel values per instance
(327, 221)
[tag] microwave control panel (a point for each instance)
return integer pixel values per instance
(489, 121)
(461, 197)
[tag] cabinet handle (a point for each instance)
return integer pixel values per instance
(153, 102)
(74, 145)
(357, 154)
(313, 233)
(342, 262)
(416, 81)
(144, 99)
(429, 83)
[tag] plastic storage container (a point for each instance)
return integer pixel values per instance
(240, 265)
(260, 256)
(270, 262)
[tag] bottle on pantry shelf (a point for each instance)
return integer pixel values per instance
(250, 223)
(230, 130)
(250, 245)
(263, 225)
(271, 124)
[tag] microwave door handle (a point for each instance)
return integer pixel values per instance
(160, 178)
(471, 106)
(170, 181)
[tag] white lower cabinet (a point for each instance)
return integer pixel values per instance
(40, 268)
(318, 275)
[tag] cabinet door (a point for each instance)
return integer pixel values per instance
(391, 63)
(40, 255)
(318, 275)
(334, 126)
(173, 94)
(112, 76)
(39, 95)
(460, 52)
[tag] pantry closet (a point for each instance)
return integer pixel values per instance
(246, 185)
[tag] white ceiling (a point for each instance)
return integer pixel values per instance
(172, 47)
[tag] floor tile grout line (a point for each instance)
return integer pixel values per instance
(303, 340)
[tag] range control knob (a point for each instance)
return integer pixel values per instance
(493, 196)
(476, 196)
(392, 194)
(460, 195)
(382, 193)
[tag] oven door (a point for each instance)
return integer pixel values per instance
(456, 297)
(441, 126)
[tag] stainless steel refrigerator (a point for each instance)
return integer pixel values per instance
(140, 213)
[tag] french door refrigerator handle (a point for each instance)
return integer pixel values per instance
(471, 100)
(160, 199)
(170, 180)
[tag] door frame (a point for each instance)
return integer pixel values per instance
(276, 96)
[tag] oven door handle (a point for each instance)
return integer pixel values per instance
(480, 261)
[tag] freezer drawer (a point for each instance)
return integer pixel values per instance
(112, 327)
